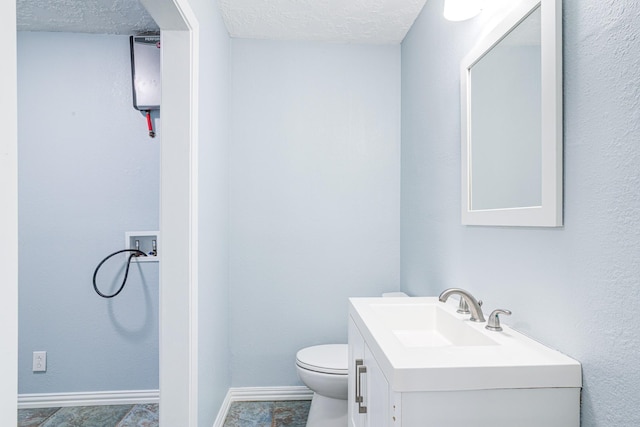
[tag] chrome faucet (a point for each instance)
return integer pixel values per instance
(474, 306)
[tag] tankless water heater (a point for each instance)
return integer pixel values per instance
(145, 72)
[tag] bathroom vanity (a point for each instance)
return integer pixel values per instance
(417, 362)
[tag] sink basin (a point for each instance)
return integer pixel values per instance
(418, 338)
(428, 325)
(422, 344)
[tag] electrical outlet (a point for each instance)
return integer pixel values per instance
(39, 361)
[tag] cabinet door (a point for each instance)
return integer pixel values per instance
(356, 353)
(367, 384)
(376, 395)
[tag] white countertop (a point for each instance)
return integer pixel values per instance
(422, 344)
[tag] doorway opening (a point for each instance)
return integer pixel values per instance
(178, 214)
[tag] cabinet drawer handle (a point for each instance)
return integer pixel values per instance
(361, 370)
(359, 363)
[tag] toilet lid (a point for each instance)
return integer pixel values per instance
(328, 358)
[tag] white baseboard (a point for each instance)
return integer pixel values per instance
(224, 409)
(94, 398)
(260, 394)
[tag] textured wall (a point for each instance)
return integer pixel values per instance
(213, 228)
(88, 172)
(314, 196)
(575, 288)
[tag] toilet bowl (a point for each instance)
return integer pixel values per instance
(323, 368)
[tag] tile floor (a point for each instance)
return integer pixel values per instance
(241, 414)
(143, 415)
(291, 413)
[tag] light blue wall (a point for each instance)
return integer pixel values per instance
(575, 288)
(88, 172)
(314, 196)
(213, 186)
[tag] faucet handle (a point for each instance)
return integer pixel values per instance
(463, 307)
(493, 324)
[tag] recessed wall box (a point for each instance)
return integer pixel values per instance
(145, 241)
(145, 72)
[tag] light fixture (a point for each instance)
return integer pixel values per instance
(459, 10)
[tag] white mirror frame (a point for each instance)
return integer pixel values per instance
(549, 214)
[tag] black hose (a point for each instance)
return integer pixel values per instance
(135, 253)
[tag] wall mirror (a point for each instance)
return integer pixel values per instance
(511, 86)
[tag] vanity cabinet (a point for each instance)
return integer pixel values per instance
(378, 394)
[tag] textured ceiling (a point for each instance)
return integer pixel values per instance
(350, 21)
(353, 21)
(84, 16)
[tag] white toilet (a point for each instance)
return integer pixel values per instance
(323, 368)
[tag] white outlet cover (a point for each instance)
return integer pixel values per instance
(39, 361)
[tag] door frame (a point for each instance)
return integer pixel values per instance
(8, 215)
(178, 212)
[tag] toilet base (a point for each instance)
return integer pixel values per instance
(327, 412)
